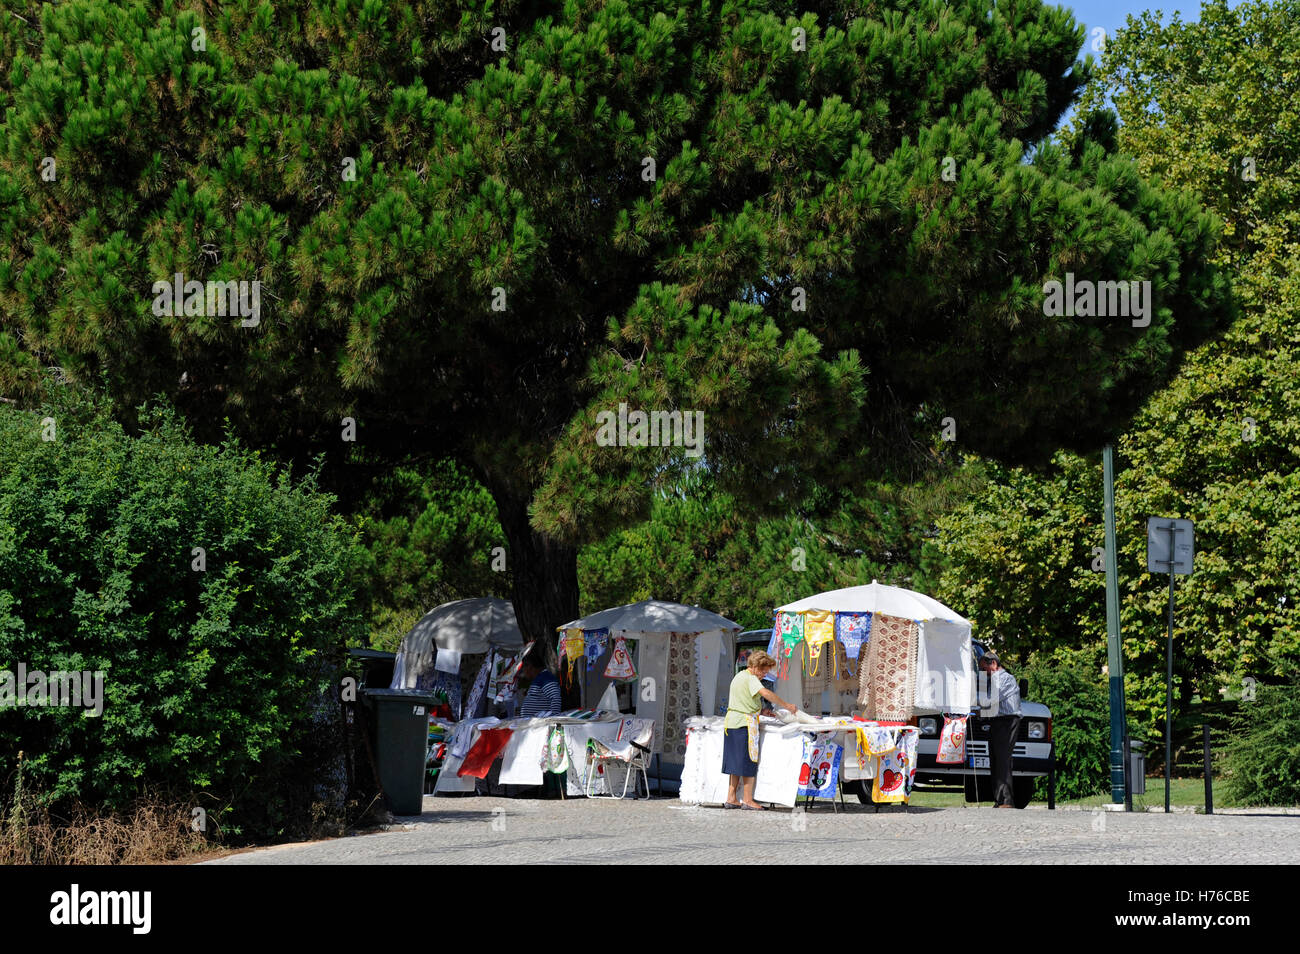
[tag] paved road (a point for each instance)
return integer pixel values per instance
(601, 831)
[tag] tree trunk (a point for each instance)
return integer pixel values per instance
(545, 574)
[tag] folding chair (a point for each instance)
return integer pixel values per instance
(632, 754)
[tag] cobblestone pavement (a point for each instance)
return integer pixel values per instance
(602, 831)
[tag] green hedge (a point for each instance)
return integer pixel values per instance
(1261, 760)
(1072, 686)
(218, 682)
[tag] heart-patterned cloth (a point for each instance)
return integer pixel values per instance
(895, 771)
(952, 741)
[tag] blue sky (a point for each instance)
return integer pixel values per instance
(1111, 14)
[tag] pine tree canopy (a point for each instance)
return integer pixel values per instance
(826, 227)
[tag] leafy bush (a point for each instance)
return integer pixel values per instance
(218, 666)
(1070, 684)
(1261, 761)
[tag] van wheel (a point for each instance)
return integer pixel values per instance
(859, 788)
(1022, 791)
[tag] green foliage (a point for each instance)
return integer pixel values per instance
(1071, 685)
(1220, 444)
(780, 166)
(219, 683)
(699, 547)
(1261, 761)
(429, 535)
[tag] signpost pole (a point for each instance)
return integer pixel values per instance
(1174, 560)
(1114, 657)
(1169, 660)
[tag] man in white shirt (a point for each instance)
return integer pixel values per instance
(1005, 724)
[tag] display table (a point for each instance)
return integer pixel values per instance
(523, 755)
(783, 749)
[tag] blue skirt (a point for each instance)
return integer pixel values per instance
(735, 754)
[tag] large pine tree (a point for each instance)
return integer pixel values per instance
(826, 226)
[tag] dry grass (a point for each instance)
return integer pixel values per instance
(155, 830)
(153, 833)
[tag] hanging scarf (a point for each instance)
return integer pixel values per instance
(501, 684)
(819, 629)
(620, 661)
(852, 629)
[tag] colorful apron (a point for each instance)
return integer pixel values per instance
(594, 646)
(852, 630)
(819, 629)
(791, 639)
(751, 724)
(952, 741)
(620, 661)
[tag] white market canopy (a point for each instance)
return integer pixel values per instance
(877, 598)
(459, 628)
(945, 661)
(653, 616)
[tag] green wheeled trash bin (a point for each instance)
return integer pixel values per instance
(401, 718)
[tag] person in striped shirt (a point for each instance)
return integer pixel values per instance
(543, 696)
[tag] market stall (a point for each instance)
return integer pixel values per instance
(641, 670)
(466, 652)
(677, 658)
(873, 657)
(479, 636)
(889, 653)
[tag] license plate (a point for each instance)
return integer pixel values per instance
(981, 761)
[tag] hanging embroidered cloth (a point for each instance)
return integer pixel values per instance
(555, 754)
(449, 684)
(874, 741)
(820, 772)
(819, 629)
(852, 630)
(519, 660)
(682, 697)
(479, 689)
(887, 679)
(774, 644)
(908, 741)
(572, 647)
(952, 741)
(501, 684)
(485, 751)
(638, 731)
(620, 664)
(816, 680)
(595, 643)
(895, 771)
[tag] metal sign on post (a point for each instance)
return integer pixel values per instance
(1169, 550)
(1165, 536)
